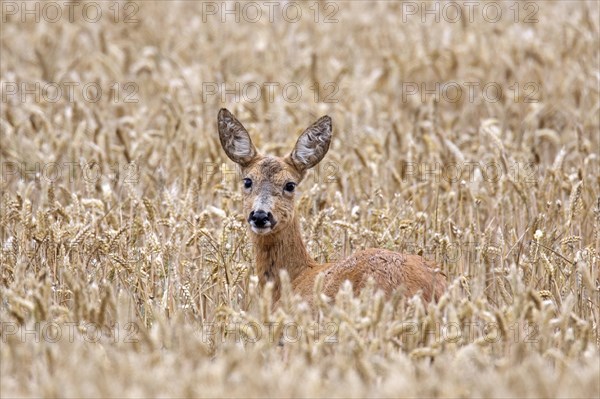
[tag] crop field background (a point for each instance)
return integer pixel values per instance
(467, 132)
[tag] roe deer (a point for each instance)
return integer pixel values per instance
(269, 184)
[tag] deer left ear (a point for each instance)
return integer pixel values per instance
(235, 140)
(312, 145)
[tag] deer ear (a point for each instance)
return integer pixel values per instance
(313, 144)
(235, 140)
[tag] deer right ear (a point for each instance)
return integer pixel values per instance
(235, 140)
(312, 145)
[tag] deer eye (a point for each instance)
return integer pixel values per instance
(247, 183)
(289, 186)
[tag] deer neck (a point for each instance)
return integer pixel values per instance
(283, 250)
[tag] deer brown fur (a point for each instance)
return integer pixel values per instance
(269, 186)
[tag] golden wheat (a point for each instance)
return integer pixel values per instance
(126, 269)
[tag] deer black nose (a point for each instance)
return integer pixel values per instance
(260, 218)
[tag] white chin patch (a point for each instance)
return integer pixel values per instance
(264, 230)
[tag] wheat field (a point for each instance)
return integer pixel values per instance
(462, 133)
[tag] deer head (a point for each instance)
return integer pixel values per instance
(269, 182)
